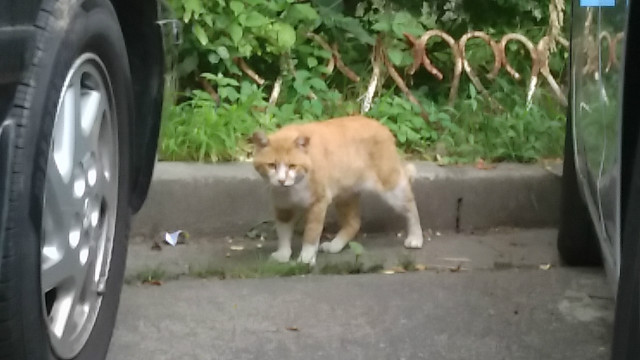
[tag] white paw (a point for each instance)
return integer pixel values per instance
(332, 247)
(281, 255)
(414, 242)
(308, 254)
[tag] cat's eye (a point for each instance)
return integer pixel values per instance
(271, 165)
(293, 167)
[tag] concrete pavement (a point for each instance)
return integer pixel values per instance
(513, 314)
(500, 305)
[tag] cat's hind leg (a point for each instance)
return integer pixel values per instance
(285, 221)
(349, 216)
(401, 198)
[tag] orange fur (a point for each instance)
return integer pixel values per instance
(311, 165)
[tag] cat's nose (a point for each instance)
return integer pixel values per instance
(282, 181)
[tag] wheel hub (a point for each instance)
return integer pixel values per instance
(80, 201)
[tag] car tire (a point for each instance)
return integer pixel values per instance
(626, 339)
(577, 241)
(67, 33)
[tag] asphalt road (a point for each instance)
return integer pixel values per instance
(510, 314)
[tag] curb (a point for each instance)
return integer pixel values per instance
(230, 198)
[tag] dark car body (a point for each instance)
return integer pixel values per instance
(148, 33)
(142, 27)
(603, 154)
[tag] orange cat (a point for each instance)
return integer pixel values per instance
(308, 166)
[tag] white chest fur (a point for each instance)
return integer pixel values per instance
(295, 196)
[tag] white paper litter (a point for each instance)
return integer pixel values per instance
(172, 238)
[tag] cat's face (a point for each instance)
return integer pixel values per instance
(281, 160)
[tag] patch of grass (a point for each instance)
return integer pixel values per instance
(407, 262)
(348, 267)
(269, 269)
(148, 275)
(258, 270)
(208, 272)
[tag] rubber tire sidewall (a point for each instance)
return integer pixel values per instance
(74, 28)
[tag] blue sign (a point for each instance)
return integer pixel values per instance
(597, 2)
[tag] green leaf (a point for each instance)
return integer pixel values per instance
(192, 9)
(198, 31)
(220, 79)
(286, 35)
(312, 62)
(403, 22)
(361, 8)
(317, 108)
(302, 87)
(317, 83)
(334, 5)
(237, 7)
(472, 91)
(395, 55)
(223, 52)
(227, 92)
(213, 58)
(356, 247)
(208, 19)
(189, 64)
(304, 12)
(255, 19)
(351, 25)
(382, 26)
(235, 32)
(402, 135)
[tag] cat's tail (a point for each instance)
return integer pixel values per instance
(410, 171)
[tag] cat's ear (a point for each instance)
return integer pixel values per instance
(259, 139)
(302, 142)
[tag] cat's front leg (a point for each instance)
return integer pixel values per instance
(312, 232)
(285, 220)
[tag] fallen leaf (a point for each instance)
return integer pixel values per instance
(388, 272)
(456, 269)
(227, 255)
(156, 246)
(292, 328)
(545, 266)
(152, 282)
(421, 267)
(259, 246)
(236, 248)
(480, 164)
(438, 233)
(398, 269)
(229, 239)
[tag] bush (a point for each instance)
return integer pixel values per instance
(219, 105)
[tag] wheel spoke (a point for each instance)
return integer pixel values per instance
(88, 128)
(61, 311)
(63, 139)
(59, 193)
(60, 216)
(60, 268)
